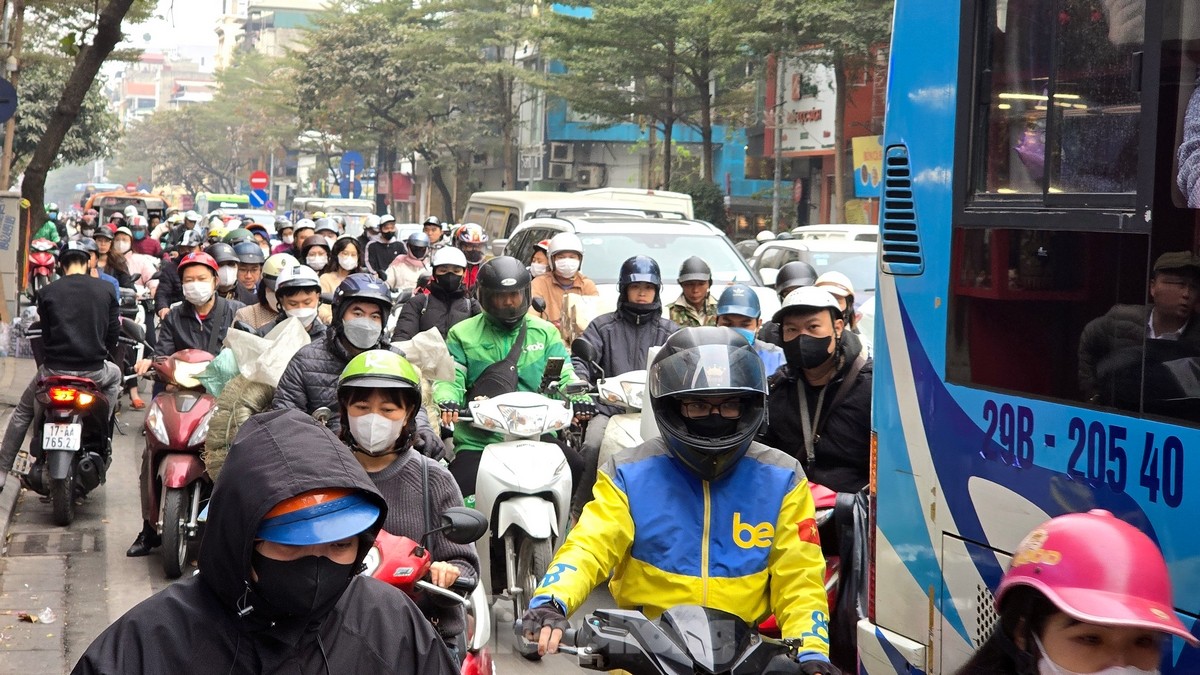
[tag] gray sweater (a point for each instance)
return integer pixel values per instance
(400, 485)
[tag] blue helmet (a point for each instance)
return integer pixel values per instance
(739, 299)
(640, 268)
(359, 286)
(318, 517)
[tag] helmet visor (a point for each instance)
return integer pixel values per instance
(708, 370)
(505, 306)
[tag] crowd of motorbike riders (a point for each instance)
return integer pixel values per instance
(716, 511)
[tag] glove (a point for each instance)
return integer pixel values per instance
(428, 442)
(814, 663)
(449, 407)
(543, 616)
(584, 409)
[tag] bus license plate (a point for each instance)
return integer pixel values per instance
(62, 436)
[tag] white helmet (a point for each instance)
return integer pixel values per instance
(835, 282)
(807, 297)
(449, 255)
(296, 276)
(386, 218)
(305, 222)
(192, 216)
(564, 242)
(765, 235)
(130, 211)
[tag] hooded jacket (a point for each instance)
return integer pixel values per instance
(623, 340)
(842, 453)
(206, 624)
(435, 309)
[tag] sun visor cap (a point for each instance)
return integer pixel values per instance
(318, 517)
(709, 370)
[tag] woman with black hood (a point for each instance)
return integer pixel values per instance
(291, 518)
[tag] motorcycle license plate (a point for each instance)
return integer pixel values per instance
(23, 464)
(62, 436)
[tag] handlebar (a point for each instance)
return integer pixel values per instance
(569, 644)
(445, 593)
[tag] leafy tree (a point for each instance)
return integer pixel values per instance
(95, 131)
(708, 200)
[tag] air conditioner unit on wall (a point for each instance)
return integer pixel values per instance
(562, 152)
(560, 171)
(482, 160)
(590, 176)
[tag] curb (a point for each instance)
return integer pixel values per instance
(8, 498)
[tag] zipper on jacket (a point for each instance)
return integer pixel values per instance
(704, 547)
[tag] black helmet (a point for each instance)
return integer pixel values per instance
(222, 253)
(794, 275)
(432, 220)
(80, 251)
(249, 253)
(694, 269)
(643, 269)
(504, 274)
(359, 286)
(704, 362)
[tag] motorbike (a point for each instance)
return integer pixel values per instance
(685, 640)
(43, 264)
(624, 391)
(404, 563)
(523, 486)
(175, 429)
(71, 448)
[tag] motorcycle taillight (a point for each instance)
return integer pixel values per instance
(872, 523)
(70, 396)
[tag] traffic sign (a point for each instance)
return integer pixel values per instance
(259, 198)
(131, 187)
(352, 163)
(259, 180)
(347, 190)
(8, 100)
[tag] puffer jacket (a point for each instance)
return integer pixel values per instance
(842, 453)
(435, 309)
(623, 340)
(1111, 352)
(310, 381)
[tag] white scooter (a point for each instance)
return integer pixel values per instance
(625, 430)
(523, 485)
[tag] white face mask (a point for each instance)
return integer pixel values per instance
(566, 267)
(226, 276)
(121, 246)
(347, 262)
(197, 292)
(288, 239)
(537, 269)
(305, 314)
(375, 434)
(317, 262)
(1048, 667)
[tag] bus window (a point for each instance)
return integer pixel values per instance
(1058, 113)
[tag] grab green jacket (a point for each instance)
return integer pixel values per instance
(48, 230)
(477, 343)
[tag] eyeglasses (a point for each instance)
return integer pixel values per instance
(730, 410)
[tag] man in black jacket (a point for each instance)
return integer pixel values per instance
(446, 302)
(170, 290)
(623, 340)
(79, 323)
(819, 404)
(291, 518)
(381, 253)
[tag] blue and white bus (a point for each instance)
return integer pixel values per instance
(1039, 158)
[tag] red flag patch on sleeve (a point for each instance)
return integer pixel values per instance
(808, 531)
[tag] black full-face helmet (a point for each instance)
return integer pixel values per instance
(707, 362)
(499, 276)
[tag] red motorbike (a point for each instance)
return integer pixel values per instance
(43, 267)
(176, 428)
(405, 564)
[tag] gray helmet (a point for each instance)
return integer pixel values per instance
(249, 253)
(695, 269)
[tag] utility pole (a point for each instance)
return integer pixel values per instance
(778, 106)
(13, 66)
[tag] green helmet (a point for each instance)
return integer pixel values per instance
(380, 369)
(238, 236)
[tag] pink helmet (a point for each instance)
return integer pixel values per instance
(1097, 569)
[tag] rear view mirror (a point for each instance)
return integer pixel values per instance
(584, 350)
(769, 276)
(322, 415)
(462, 525)
(538, 304)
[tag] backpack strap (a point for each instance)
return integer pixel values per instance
(848, 382)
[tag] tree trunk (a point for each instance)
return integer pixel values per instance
(509, 151)
(651, 151)
(87, 65)
(439, 182)
(706, 121)
(668, 130)
(837, 210)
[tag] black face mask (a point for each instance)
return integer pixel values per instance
(807, 352)
(448, 282)
(387, 236)
(306, 588)
(473, 256)
(417, 252)
(713, 426)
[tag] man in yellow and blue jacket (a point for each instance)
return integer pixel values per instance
(702, 515)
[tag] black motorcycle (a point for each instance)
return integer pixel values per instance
(685, 640)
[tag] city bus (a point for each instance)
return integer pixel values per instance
(1040, 157)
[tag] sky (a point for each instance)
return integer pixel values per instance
(186, 25)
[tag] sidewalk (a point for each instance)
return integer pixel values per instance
(15, 375)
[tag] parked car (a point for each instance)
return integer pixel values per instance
(858, 260)
(846, 232)
(609, 240)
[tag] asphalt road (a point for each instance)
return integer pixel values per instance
(82, 575)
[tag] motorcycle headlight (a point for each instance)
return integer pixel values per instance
(200, 433)
(633, 393)
(524, 421)
(155, 424)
